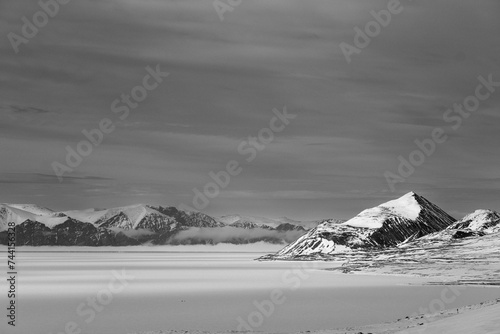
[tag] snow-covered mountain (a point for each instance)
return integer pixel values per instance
(469, 260)
(86, 216)
(409, 221)
(463, 253)
(135, 224)
(486, 221)
(18, 213)
(32, 208)
(389, 224)
(136, 217)
(189, 218)
(281, 223)
(478, 223)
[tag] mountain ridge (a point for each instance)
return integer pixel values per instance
(409, 217)
(139, 224)
(395, 223)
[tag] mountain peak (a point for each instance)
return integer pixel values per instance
(480, 213)
(479, 220)
(407, 206)
(31, 208)
(385, 225)
(412, 194)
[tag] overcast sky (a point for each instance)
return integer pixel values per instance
(353, 120)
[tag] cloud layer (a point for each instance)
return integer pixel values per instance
(230, 234)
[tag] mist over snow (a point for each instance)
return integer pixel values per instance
(229, 234)
(132, 233)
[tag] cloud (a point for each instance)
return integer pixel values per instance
(25, 116)
(132, 233)
(230, 234)
(24, 109)
(36, 178)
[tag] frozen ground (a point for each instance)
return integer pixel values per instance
(195, 291)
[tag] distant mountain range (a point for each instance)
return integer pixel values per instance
(410, 219)
(141, 224)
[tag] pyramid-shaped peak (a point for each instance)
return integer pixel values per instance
(409, 201)
(408, 206)
(411, 194)
(386, 225)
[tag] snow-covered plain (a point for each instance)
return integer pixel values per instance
(479, 318)
(192, 290)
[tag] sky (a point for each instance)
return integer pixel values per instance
(352, 119)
